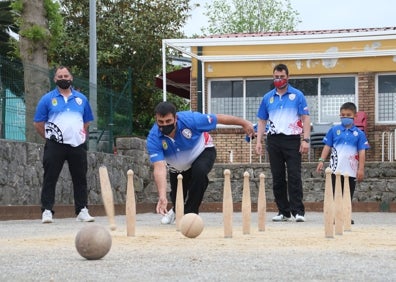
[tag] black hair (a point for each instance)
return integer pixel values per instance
(165, 108)
(349, 106)
(61, 68)
(281, 67)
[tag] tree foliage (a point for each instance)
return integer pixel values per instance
(34, 38)
(24, 22)
(129, 35)
(6, 25)
(38, 24)
(249, 16)
(13, 69)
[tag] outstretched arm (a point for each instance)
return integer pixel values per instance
(233, 120)
(160, 181)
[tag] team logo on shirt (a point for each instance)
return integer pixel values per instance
(164, 145)
(271, 100)
(338, 132)
(209, 118)
(292, 97)
(54, 102)
(187, 133)
(53, 132)
(333, 160)
(355, 133)
(78, 101)
(271, 128)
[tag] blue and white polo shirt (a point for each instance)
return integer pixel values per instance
(283, 113)
(190, 140)
(345, 146)
(64, 120)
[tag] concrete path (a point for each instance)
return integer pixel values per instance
(288, 251)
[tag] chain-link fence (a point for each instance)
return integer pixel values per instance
(114, 103)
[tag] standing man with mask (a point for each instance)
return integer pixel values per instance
(181, 143)
(62, 118)
(285, 109)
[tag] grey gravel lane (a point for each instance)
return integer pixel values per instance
(32, 251)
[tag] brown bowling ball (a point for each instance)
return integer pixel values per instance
(93, 242)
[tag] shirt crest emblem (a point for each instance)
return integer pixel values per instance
(54, 102)
(187, 133)
(78, 101)
(164, 145)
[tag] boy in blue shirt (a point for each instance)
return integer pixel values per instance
(348, 145)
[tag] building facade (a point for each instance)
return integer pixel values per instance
(231, 73)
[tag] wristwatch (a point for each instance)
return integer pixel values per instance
(307, 140)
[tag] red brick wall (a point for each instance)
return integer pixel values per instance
(193, 95)
(366, 90)
(227, 140)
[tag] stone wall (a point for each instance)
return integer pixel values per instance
(21, 174)
(21, 177)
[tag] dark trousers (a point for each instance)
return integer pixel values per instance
(195, 181)
(285, 161)
(55, 155)
(352, 184)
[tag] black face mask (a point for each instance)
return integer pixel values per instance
(63, 83)
(167, 129)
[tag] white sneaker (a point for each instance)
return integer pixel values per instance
(84, 216)
(169, 217)
(300, 218)
(280, 217)
(47, 217)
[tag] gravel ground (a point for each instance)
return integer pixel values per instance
(32, 251)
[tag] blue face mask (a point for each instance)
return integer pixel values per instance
(346, 121)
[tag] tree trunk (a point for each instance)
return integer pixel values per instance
(35, 64)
